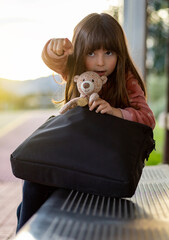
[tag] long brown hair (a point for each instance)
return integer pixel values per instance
(102, 31)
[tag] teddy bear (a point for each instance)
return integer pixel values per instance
(89, 85)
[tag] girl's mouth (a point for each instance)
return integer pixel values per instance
(101, 73)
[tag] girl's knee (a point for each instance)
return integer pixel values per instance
(33, 190)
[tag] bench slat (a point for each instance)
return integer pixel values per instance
(69, 215)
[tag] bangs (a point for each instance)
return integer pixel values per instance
(101, 37)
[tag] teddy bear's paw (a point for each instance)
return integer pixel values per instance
(82, 102)
(93, 97)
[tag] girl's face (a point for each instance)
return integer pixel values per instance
(101, 61)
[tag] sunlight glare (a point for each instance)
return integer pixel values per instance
(164, 14)
(25, 236)
(25, 27)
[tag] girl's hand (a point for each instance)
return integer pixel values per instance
(61, 46)
(104, 107)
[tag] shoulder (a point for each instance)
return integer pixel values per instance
(131, 81)
(130, 78)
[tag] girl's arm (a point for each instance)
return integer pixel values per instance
(139, 110)
(55, 54)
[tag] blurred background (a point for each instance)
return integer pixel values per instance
(27, 85)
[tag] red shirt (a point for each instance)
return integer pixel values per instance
(137, 99)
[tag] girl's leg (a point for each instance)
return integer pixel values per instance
(34, 195)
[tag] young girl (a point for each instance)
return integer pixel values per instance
(98, 45)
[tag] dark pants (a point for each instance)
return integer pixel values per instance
(34, 195)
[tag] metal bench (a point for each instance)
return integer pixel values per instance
(70, 215)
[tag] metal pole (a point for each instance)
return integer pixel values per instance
(134, 25)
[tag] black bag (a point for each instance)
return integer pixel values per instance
(85, 151)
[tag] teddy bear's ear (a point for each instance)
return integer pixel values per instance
(76, 78)
(104, 79)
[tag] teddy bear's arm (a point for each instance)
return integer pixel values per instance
(93, 97)
(71, 104)
(79, 101)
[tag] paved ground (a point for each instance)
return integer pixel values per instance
(10, 197)
(15, 127)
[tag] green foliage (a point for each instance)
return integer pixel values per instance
(156, 156)
(157, 93)
(157, 35)
(158, 4)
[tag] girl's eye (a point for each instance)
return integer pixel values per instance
(91, 54)
(92, 80)
(109, 53)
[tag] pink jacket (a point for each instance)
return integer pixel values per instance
(136, 95)
(137, 99)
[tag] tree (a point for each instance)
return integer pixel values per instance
(157, 34)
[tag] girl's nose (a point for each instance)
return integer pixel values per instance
(100, 61)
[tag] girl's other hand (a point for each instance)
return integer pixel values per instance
(101, 106)
(61, 46)
(104, 107)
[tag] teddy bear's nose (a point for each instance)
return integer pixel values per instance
(86, 85)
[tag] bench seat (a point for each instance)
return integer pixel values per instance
(70, 215)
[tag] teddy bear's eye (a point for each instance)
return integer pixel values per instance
(92, 80)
